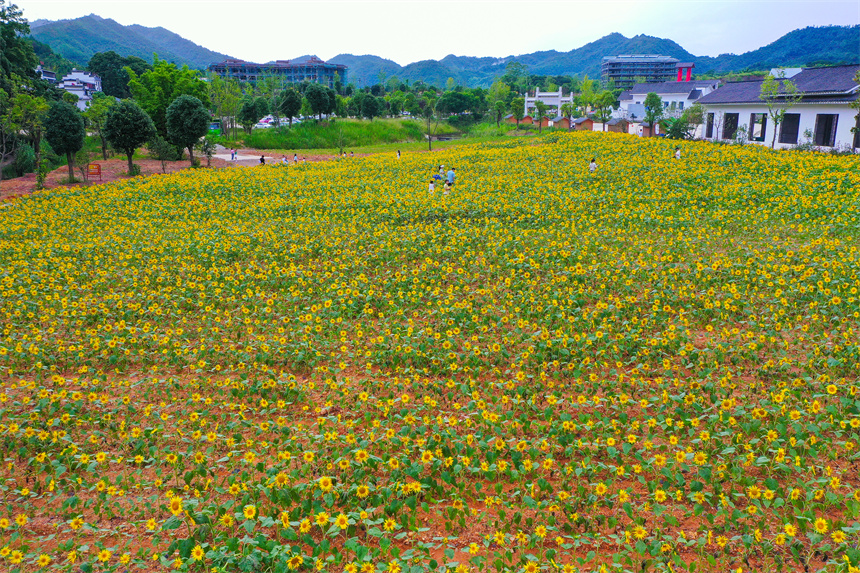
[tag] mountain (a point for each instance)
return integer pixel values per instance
(824, 45)
(78, 39)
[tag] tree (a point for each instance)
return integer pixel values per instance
(64, 130)
(499, 108)
(127, 127)
(540, 113)
(318, 99)
(370, 107)
(778, 99)
(290, 104)
(226, 97)
(156, 89)
(603, 102)
(518, 109)
(684, 126)
(454, 102)
(428, 112)
(96, 114)
(856, 105)
(187, 122)
(17, 57)
(653, 110)
(163, 150)
(111, 68)
(250, 113)
(585, 98)
(26, 116)
(567, 110)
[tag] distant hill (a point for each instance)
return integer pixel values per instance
(825, 45)
(78, 39)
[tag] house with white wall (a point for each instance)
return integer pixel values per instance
(823, 115)
(82, 84)
(676, 96)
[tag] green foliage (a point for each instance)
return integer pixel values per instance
(310, 135)
(110, 67)
(370, 107)
(16, 53)
(603, 102)
(226, 97)
(50, 59)
(162, 150)
(290, 104)
(518, 109)
(96, 114)
(207, 148)
(156, 89)
(653, 109)
(780, 95)
(64, 130)
(684, 126)
(320, 99)
(252, 111)
(25, 160)
(127, 127)
(187, 122)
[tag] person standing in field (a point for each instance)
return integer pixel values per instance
(677, 152)
(451, 175)
(398, 154)
(592, 167)
(262, 160)
(432, 185)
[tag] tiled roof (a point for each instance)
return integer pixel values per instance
(671, 87)
(833, 84)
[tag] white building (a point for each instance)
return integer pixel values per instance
(83, 85)
(551, 99)
(823, 116)
(676, 96)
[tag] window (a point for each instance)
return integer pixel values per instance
(825, 129)
(758, 126)
(790, 128)
(709, 133)
(730, 125)
(680, 105)
(857, 132)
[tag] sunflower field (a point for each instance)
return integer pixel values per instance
(327, 367)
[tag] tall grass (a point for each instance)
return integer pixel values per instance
(339, 133)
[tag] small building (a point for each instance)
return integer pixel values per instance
(582, 124)
(82, 84)
(527, 120)
(618, 125)
(560, 122)
(47, 75)
(676, 97)
(823, 111)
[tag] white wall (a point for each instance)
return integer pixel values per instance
(808, 113)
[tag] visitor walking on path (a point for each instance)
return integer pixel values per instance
(262, 160)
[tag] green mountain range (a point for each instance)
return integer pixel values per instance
(78, 39)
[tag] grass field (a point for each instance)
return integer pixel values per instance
(653, 367)
(345, 133)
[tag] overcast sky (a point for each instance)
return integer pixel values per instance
(411, 30)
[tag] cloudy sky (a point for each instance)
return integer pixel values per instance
(410, 30)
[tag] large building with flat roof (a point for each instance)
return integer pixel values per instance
(312, 69)
(624, 69)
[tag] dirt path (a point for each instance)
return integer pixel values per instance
(114, 169)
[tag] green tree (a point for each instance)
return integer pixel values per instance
(96, 114)
(684, 126)
(567, 110)
(111, 68)
(187, 122)
(499, 108)
(603, 102)
(17, 57)
(26, 116)
(156, 89)
(370, 107)
(251, 112)
(318, 99)
(428, 112)
(779, 95)
(540, 114)
(653, 110)
(226, 98)
(585, 99)
(290, 104)
(64, 130)
(518, 109)
(856, 105)
(127, 127)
